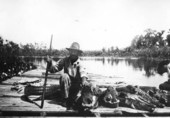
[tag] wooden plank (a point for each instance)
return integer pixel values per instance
(41, 112)
(11, 81)
(39, 73)
(12, 102)
(54, 112)
(5, 90)
(23, 105)
(104, 111)
(103, 81)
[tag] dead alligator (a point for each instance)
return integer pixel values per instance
(134, 97)
(109, 98)
(160, 95)
(89, 97)
(87, 100)
(124, 97)
(149, 99)
(135, 102)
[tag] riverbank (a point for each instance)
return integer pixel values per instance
(161, 53)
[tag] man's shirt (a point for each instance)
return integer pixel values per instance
(75, 70)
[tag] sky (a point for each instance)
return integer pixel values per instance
(94, 24)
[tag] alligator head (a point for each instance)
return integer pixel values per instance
(109, 98)
(89, 97)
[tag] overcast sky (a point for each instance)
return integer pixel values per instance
(93, 23)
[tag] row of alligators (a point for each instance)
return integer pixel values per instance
(129, 96)
(135, 97)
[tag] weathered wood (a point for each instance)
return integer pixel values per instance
(40, 73)
(5, 90)
(51, 105)
(102, 81)
(16, 104)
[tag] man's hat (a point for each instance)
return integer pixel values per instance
(75, 46)
(162, 67)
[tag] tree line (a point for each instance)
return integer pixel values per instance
(10, 61)
(151, 43)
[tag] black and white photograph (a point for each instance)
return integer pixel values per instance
(84, 58)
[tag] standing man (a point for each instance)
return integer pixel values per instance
(74, 76)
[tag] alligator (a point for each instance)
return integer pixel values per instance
(134, 101)
(88, 99)
(92, 97)
(109, 98)
(134, 97)
(160, 95)
(149, 99)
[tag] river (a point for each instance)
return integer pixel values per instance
(130, 70)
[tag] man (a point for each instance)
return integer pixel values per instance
(74, 76)
(163, 67)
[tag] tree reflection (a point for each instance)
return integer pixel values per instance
(147, 65)
(150, 67)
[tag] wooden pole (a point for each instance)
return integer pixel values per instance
(46, 75)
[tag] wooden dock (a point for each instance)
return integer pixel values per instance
(13, 103)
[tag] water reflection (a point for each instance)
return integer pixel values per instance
(131, 70)
(33, 59)
(113, 61)
(148, 65)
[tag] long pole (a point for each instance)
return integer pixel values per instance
(46, 75)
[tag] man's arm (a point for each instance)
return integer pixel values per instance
(58, 66)
(83, 74)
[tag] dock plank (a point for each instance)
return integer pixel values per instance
(5, 90)
(16, 103)
(97, 79)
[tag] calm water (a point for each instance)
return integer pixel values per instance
(134, 71)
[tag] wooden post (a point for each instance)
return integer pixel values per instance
(46, 75)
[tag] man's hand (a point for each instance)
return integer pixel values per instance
(48, 58)
(49, 62)
(84, 81)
